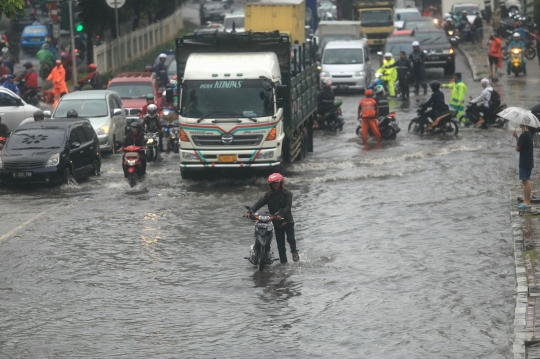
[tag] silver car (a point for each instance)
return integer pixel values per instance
(13, 109)
(105, 111)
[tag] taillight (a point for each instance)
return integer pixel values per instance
(339, 112)
(272, 135)
(392, 114)
(183, 136)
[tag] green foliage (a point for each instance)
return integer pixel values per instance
(12, 8)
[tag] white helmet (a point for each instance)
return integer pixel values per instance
(152, 110)
(388, 54)
(416, 43)
(485, 81)
(516, 34)
(162, 56)
(5, 50)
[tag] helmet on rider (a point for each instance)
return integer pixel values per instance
(162, 56)
(45, 46)
(447, 16)
(485, 82)
(72, 114)
(435, 85)
(379, 89)
(28, 65)
(92, 67)
(464, 12)
(388, 56)
(516, 35)
(150, 97)
(152, 110)
(39, 116)
(415, 44)
(64, 55)
(327, 83)
(276, 178)
(135, 127)
(368, 93)
(148, 68)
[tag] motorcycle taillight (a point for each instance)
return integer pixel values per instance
(339, 112)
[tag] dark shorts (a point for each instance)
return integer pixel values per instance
(493, 60)
(479, 33)
(524, 174)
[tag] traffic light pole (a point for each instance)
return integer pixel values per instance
(118, 33)
(73, 59)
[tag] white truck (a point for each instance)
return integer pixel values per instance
(337, 30)
(241, 104)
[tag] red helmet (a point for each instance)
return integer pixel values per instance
(368, 93)
(92, 67)
(276, 177)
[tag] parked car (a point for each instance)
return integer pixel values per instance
(13, 109)
(33, 37)
(419, 23)
(395, 45)
(347, 64)
(50, 151)
(132, 87)
(104, 110)
(212, 11)
(438, 49)
(238, 20)
(401, 14)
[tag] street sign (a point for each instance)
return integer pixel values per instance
(119, 3)
(56, 31)
(54, 12)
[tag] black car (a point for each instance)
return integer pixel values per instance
(419, 23)
(395, 45)
(438, 50)
(50, 151)
(212, 11)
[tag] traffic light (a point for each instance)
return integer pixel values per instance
(79, 27)
(78, 16)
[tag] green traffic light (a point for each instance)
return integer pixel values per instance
(79, 28)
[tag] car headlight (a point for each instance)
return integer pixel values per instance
(189, 156)
(325, 74)
(53, 161)
(266, 155)
(359, 74)
(103, 130)
(446, 52)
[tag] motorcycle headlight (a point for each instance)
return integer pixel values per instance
(319, 68)
(450, 33)
(53, 161)
(266, 155)
(150, 141)
(325, 74)
(359, 74)
(189, 156)
(103, 130)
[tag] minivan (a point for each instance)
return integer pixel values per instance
(346, 64)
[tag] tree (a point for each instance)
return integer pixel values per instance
(12, 8)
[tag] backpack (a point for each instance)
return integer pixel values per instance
(494, 100)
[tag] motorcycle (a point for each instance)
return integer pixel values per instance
(174, 136)
(379, 81)
(388, 127)
(259, 254)
(516, 64)
(530, 52)
(333, 119)
(152, 146)
(452, 37)
(470, 118)
(30, 95)
(132, 160)
(443, 124)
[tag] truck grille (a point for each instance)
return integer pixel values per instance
(341, 76)
(249, 140)
(377, 36)
(23, 165)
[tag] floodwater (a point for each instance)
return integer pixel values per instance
(405, 252)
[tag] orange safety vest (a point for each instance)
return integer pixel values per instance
(369, 108)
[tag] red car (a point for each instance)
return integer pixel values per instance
(132, 87)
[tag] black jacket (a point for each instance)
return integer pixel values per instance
(403, 66)
(161, 73)
(152, 124)
(436, 102)
(382, 105)
(131, 140)
(417, 58)
(477, 23)
(3, 130)
(277, 201)
(325, 100)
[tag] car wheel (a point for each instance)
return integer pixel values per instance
(96, 167)
(68, 177)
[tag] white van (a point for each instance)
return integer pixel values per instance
(346, 64)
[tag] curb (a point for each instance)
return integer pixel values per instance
(471, 63)
(522, 290)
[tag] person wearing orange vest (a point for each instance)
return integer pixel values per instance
(58, 79)
(367, 109)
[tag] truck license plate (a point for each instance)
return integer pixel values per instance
(226, 158)
(22, 174)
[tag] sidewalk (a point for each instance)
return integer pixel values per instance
(476, 57)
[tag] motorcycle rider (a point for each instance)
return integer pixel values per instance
(404, 68)
(45, 56)
(463, 20)
(279, 200)
(152, 123)
(3, 69)
(149, 101)
(516, 43)
(368, 111)
(519, 28)
(325, 100)
(10, 84)
(8, 59)
(449, 23)
(29, 76)
(436, 102)
(418, 57)
(382, 101)
(389, 73)
(72, 114)
(161, 71)
(482, 101)
(93, 78)
(459, 90)
(135, 138)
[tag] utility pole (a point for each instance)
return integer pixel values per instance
(72, 33)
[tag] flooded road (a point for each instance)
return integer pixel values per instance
(405, 252)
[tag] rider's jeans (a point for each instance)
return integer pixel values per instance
(288, 230)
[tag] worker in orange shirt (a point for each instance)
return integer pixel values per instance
(369, 113)
(58, 79)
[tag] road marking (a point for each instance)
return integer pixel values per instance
(21, 226)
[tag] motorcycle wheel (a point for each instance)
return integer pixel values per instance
(34, 100)
(467, 121)
(454, 124)
(150, 154)
(262, 258)
(530, 53)
(132, 179)
(358, 129)
(414, 125)
(391, 134)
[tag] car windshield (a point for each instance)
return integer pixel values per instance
(395, 49)
(376, 17)
(407, 15)
(130, 90)
(226, 99)
(431, 38)
(84, 108)
(343, 56)
(31, 139)
(35, 30)
(325, 40)
(469, 8)
(238, 22)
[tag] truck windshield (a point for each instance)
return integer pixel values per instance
(343, 56)
(469, 8)
(381, 17)
(226, 99)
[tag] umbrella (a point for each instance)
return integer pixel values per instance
(519, 116)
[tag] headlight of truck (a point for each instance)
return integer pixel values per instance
(325, 74)
(103, 130)
(359, 74)
(189, 156)
(266, 155)
(53, 161)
